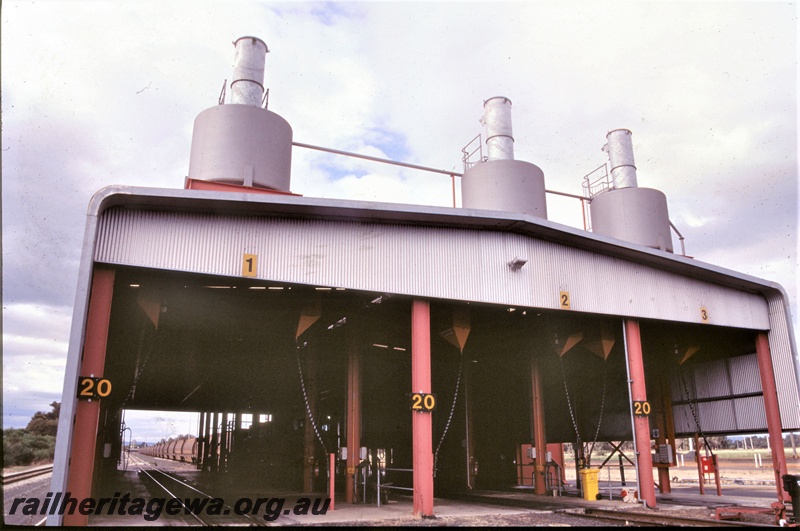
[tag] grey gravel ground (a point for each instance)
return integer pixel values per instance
(525, 519)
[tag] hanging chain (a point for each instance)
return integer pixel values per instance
(692, 409)
(602, 408)
(305, 398)
(569, 403)
(450, 418)
(139, 370)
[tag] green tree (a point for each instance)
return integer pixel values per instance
(21, 448)
(45, 423)
(34, 444)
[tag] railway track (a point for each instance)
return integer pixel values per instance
(617, 516)
(654, 519)
(15, 477)
(194, 503)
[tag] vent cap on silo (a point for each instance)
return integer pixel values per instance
(247, 87)
(620, 158)
(242, 142)
(499, 134)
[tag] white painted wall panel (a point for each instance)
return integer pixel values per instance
(438, 262)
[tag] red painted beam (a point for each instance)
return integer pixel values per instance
(770, 390)
(332, 480)
(539, 438)
(421, 425)
(87, 413)
(663, 424)
(216, 186)
(641, 424)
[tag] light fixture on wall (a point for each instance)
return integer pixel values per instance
(517, 263)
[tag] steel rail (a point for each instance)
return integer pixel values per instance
(376, 159)
(408, 165)
(182, 484)
(652, 517)
(15, 477)
(165, 489)
(655, 519)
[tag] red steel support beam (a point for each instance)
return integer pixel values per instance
(421, 425)
(539, 439)
(663, 414)
(332, 480)
(641, 424)
(353, 428)
(767, 374)
(87, 413)
(699, 460)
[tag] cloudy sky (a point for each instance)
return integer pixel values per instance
(97, 93)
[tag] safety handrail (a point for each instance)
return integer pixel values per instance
(391, 486)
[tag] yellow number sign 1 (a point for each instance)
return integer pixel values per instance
(249, 265)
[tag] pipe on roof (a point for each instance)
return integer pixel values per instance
(247, 87)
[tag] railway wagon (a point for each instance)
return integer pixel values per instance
(182, 449)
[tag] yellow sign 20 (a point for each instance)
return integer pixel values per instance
(423, 402)
(641, 408)
(90, 387)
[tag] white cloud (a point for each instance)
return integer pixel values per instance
(152, 426)
(34, 356)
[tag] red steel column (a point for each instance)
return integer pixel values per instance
(663, 411)
(641, 424)
(767, 374)
(539, 439)
(332, 480)
(353, 428)
(87, 414)
(421, 425)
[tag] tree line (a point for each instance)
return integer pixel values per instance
(34, 444)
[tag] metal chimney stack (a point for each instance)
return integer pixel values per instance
(499, 137)
(247, 87)
(620, 157)
(241, 142)
(500, 182)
